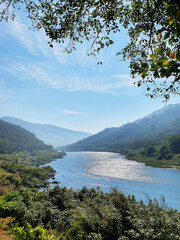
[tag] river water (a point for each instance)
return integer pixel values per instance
(111, 170)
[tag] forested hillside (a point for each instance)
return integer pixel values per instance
(163, 152)
(159, 124)
(14, 138)
(21, 154)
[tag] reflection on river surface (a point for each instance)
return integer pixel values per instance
(111, 170)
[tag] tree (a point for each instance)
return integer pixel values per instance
(164, 153)
(175, 144)
(150, 151)
(152, 25)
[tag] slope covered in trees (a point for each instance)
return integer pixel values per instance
(163, 152)
(162, 123)
(14, 138)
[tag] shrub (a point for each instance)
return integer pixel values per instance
(28, 233)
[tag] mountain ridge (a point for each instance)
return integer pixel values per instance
(15, 138)
(161, 123)
(49, 133)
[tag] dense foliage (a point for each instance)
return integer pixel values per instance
(20, 175)
(14, 138)
(19, 170)
(34, 158)
(153, 27)
(164, 152)
(175, 144)
(65, 214)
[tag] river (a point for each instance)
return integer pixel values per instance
(111, 170)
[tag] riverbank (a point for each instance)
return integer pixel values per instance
(20, 170)
(76, 212)
(173, 163)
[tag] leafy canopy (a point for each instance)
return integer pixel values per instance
(153, 27)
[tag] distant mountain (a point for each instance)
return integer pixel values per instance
(50, 134)
(15, 138)
(161, 123)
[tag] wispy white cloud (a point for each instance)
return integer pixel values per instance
(71, 112)
(69, 81)
(52, 73)
(19, 31)
(125, 80)
(36, 43)
(33, 72)
(4, 91)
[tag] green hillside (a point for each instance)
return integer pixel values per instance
(164, 152)
(21, 154)
(159, 124)
(14, 138)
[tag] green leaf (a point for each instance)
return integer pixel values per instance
(159, 51)
(178, 14)
(144, 74)
(168, 52)
(178, 56)
(156, 74)
(161, 60)
(153, 56)
(170, 22)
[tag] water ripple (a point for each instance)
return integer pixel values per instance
(116, 166)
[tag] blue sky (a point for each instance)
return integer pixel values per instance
(45, 85)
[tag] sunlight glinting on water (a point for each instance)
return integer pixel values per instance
(116, 166)
(111, 170)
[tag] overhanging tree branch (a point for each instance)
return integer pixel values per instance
(153, 28)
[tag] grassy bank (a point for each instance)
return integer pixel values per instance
(154, 162)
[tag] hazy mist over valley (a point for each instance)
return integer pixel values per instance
(50, 134)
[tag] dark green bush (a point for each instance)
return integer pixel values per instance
(90, 214)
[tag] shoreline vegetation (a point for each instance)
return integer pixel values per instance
(66, 214)
(22, 169)
(86, 214)
(162, 153)
(154, 162)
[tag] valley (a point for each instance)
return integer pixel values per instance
(50, 195)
